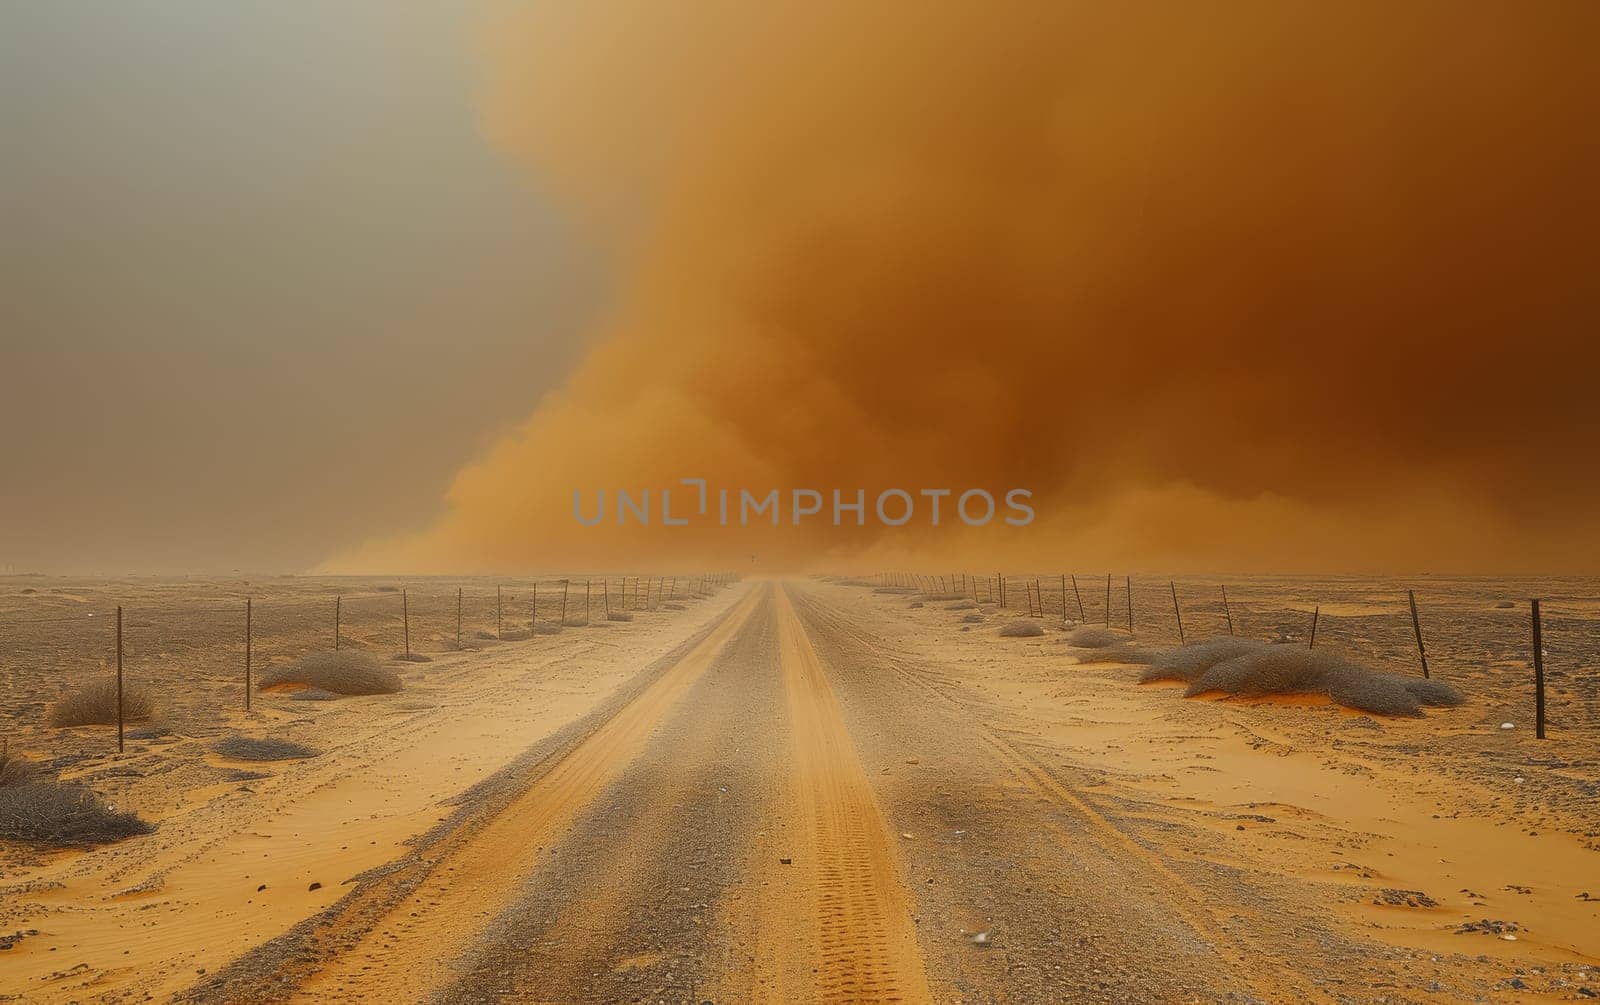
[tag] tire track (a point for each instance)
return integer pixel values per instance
(465, 870)
(866, 940)
(1264, 976)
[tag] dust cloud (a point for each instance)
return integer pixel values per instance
(1265, 286)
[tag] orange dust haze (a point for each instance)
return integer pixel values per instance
(1265, 285)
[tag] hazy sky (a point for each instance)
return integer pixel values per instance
(265, 285)
(1271, 284)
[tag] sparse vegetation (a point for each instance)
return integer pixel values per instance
(14, 768)
(1252, 668)
(1021, 630)
(972, 619)
(516, 635)
(413, 658)
(61, 814)
(1096, 637)
(96, 705)
(964, 605)
(619, 616)
(547, 630)
(341, 672)
(261, 748)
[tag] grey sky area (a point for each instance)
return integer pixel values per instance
(263, 285)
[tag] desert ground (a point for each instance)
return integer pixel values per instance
(805, 790)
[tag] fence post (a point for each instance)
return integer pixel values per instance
(536, 604)
(1538, 673)
(605, 584)
(405, 618)
(1315, 614)
(338, 605)
(1001, 580)
(497, 612)
(458, 619)
(119, 678)
(1416, 626)
(1226, 609)
(1175, 609)
(1063, 600)
(1129, 581)
(248, 618)
(588, 612)
(1108, 600)
(564, 584)
(1083, 618)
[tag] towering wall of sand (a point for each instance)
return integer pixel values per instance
(1277, 285)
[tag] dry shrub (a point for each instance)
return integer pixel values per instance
(62, 814)
(264, 748)
(313, 694)
(413, 658)
(485, 636)
(1252, 668)
(1125, 652)
(915, 605)
(964, 605)
(973, 619)
(619, 616)
(1096, 637)
(934, 598)
(1021, 630)
(341, 672)
(515, 635)
(96, 705)
(16, 769)
(547, 630)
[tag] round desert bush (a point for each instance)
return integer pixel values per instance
(972, 619)
(15, 769)
(547, 630)
(96, 705)
(484, 636)
(964, 605)
(1190, 661)
(1021, 630)
(261, 748)
(413, 658)
(1251, 668)
(516, 635)
(341, 671)
(62, 815)
(1096, 637)
(619, 616)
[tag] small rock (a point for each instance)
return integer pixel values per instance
(314, 886)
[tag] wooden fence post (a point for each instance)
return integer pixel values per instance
(588, 611)
(564, 584)
(1226, 609)
(405, 617)
(1063, 600)
(1416, 626)
(248, 618)
(1538, 674)
(458, 618)
(119, 678)
(497, 612)
(1175, 609)
(1083, 618)
(338, 613)
(605, 584)
(1002, 581)
(1315, 614)
(1108, 600)
(1129, 581)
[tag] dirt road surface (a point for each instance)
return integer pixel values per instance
(811, 794)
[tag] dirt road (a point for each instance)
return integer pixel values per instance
(809, 800)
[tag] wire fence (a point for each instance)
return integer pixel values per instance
(193, 647)
(1477, 633)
